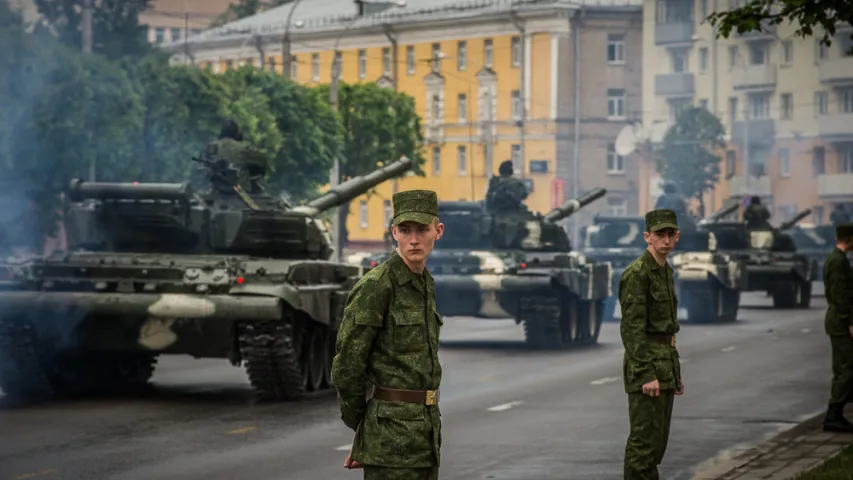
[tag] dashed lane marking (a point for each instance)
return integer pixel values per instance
(505, 406)
(40, 473)
(727, 349)
(344, 448)
(604, 381)
(242, 430)
(806, 330)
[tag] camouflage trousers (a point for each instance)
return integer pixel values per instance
(391, 473)
(650, 418)
(842, 369)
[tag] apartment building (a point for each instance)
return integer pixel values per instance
(786, 103)
(491, 81)
(174, 20)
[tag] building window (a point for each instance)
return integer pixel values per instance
(679, 61)
(160, 34)
(462, 108)
(315, 67)
(462, 160)
(410, 59)
(845, 97)
(387, 212)
(615, 103)
(787, 52)
(787, 107)
(436, 161)
(703, 10)
(677, 106)
(229, 64)
(271, 64)
(386, 61)
(703, 103)
(818, 161)
(618, 207)
(732, 56)
(615, 48)
(362, 213)
(784, 162)
(674, 11)
(757, 53)
(176, 34)
(821, 103)
(821, 52)
(436, 109)
(845, 160)
(294, 68)
(732, 109)
(362, 63)
(515, 51)
(462, 56)
(759, 105)
(488, 53)
(615, 162)
(703, 59)
(516, 104)
(436, 57)
(731, 163)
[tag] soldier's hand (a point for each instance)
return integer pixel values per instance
(652, 388)
(680, 390)
(350, 463)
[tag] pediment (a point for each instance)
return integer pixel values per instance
(434, 79)
(385, 81)
(486, 74)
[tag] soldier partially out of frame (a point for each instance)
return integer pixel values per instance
(838, 324)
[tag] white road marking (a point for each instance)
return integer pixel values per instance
(727, 349)
(806, 330)
(505, 406)
(604, 381)
(683, 360)
(344, 448)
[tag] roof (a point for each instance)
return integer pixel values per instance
(313, 15)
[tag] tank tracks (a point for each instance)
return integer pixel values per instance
(31, 371)
(286, 360)
(555, 322)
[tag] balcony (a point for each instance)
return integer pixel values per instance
(755, 77)
(741, 186)
(837, 71)
(835, 186)
(673, 33)
(761, 132)
(675, 85)
(768, 32)
(836, 128)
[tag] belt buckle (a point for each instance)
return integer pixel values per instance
(672, 341)
(431, 397)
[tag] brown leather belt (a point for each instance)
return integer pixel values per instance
(423, 397)
(662, 338)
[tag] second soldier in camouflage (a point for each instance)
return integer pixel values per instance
(651, 369)
(389, 339)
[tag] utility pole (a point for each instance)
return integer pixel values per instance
(87, 48)
(286, 49)
(335, 174)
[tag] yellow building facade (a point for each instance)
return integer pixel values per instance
(487, 88)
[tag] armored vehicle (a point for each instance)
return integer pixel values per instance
(815, 242)
(773, 264)
(159, 269)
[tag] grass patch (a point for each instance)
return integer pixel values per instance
(840, 467)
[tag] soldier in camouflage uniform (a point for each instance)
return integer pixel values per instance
(506, 193)
(651, 369)
(756, 215)
(838, 324)
(250, 163)
(389, 338)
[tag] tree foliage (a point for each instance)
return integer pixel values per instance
(688, 156)
(811, 16)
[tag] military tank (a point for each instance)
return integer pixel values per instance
(815, 242)
(618, 240)
(158, 269)
(773, 264)
(708, 282)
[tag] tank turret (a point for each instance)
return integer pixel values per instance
(571, 206)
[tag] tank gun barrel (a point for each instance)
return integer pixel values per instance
(354, 187)
(790, 223)
(573, 205)
(716, 216)
(79, 190)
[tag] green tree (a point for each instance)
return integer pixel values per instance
(688, 154)
(378, 125)
(246, 8)
(115, 25)
(811, 16)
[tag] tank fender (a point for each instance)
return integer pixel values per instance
(286, 292)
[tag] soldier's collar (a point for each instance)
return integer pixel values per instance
(401, 271)
(651, 262)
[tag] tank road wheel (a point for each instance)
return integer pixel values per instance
(541, 317)
(331, 338)
(804, 295)
(22, 363)
(785, 295)
(593, 314)
(272, 358)
(317, 357)
(712, 305)
(572, 319)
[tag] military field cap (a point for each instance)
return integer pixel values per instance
(419, 206)
(844, 230)
(661, 219)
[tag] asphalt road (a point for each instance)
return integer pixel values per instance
(507, 413)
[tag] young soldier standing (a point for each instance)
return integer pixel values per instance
(651, 370)
(389, 338)
(838, 323)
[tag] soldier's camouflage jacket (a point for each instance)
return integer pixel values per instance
(649, 305)
(838, 283)
(389, 337)
(505, 193)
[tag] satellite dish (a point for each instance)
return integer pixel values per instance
(627, 140)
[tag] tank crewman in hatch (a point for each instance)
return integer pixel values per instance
(250, 163)
(389, 338)
(838, 324)
(506, 193)
(672, 200)
(756, 215)
(651, 369)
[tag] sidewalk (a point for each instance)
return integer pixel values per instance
(784, 456)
